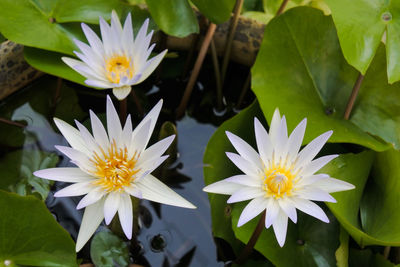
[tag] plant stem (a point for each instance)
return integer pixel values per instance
(123, 106)
(386, 252)
(253, 240)
(196, 69)
(188, 61)
(137, 103)
(217, 75)
(243, 92)
(353, 96)
(282, 7)
(13, 123)
(231, 35)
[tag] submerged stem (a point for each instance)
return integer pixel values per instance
(243, 92)
(13, 123)
(353, 96)
(137, 103)
(253, 240)
(282, 7)
(196, 69)
(214, 56)
(386, 252)
(123, 106)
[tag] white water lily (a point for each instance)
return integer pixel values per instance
(111, 168)
(117, 61)
(279, 178)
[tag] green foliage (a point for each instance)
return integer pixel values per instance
(361, 25)
(367, 258)
(313, 80)
(30, 235)
(108, 249)
(17, 167)
(217, 11)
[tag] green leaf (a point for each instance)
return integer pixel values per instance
(301, 70)
(217, 11)
(342, 253)
(218, 167)
(2, 38)
(174, 17)
(367, 258)
(17, 167)
(30, 235)
(361, 25)
(108, 249)
(310, 242)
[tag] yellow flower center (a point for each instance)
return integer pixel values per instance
(114, 168)
(278, 182)
(118, 67)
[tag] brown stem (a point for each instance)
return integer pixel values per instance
(282, 7)
(229, 40)
(244, 90)
(13, 123)
(123, 107)
(57, 92)
(137, 103)
(214, 56)
(386, 252)
(196, 69)
(190, 54)
(353, 96)
(253, 240)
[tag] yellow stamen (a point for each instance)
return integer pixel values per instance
(114, 168)
(118, 67)
(278, 181)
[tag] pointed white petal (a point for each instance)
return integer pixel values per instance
(222, 187)
(152, 117)
(255, 207)
(317, 164)
(152, 64)
(106, 37)
(281, 140)
(315, 194)
(310, 208)
(155, 151)
(92, 218)
(289, 209)
(69, 175)
(88, 138)
(295, 140)
(154, 190)
(122, 92)
(245, 150)
(263, 140)
(111, 205)
(127, 35)
(280, 228)
(92, 197)
(114, 127)
(125, 215)
(133, 191)
(312, 149)
(141, 36)
(93, 39)
(127, 131)
(332, 185)
(310, 179)
(246, 193)
(73, 190)
(99, 132)
(149, 166)
(272, 212)
(274, 126)
(246, 180)
(77, 157)
(72, 135)
(244, 165)
(140, 139)
(98, 83)
(83, 69)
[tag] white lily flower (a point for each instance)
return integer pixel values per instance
(119, 60)
(279, 178)
(111, 168)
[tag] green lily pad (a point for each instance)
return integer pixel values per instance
(17, 167)
(300, 69)
(361, 25)
(217, 11)
(30, 235)
(367, 258)
(218, 167)
(108, 249)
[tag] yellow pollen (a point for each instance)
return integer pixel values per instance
(114, 168)
(118, 67)
(278, 182)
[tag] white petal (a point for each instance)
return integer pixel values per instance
(155, 151)
(222, 187)
(122, 92)
(111, 205)
(77, 189)
(127, 34)
(312, 149)
(92, 218)
(310, 179)
(88, 138)
(125, 215)
(93, 40)
(72, 135)
(317, 164)
(114, 127)
(99, 132)
(152, 117)
(106, 37)
(272, 212)
(310, 208)
(92, 197)
(314, 194)
(98, 83)
(77, 157)
(127, 131)
(82, 68)
(141, 36)
(133, 191)
(154, 190)
(245, 150)
(246, 193)
(151, 66)
(289, 209)
(332, 185)
(295, 140)
(69, 175)
(246, 180)
(149, 166)
(140, 139)
(264, 144)
(281, 140)
(280, 228)
(255, 207)
(274, 126)
(243, 165)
